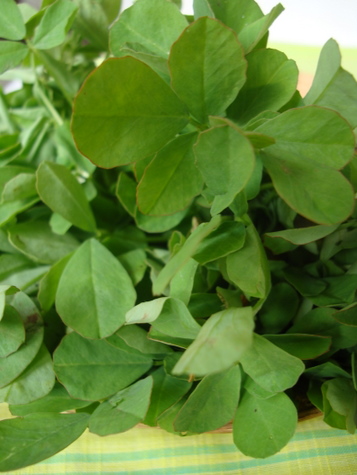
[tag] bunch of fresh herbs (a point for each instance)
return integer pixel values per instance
(201, 266)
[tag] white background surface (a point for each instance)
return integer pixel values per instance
(307, 22)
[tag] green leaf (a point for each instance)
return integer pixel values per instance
(35, 382)
(36, 240)
(184, 254)
(282, 241)
(321, 321)
(221, 342)
(62, 193)
(49, 283)
(57, 400)
(12, 26)
(228, 238)
(181, 285)
(271, 82)
(11, 54)
(326, 370)
(342, 398)
(167, 390)
(26, 441)
(12, 332)
(252, 34)
(14, 364)
(269, 366)
(124, 410)
(8, 289)
(207, 68)
(279, 309)
(158, 224)
(151, 24)
(94, 369)
(171, 180)
(94, 292)
(262, 427)
(311, 142)
(347, 315)
(248, 267)
(134, 262)
(137, 338)
(137, 113)
(54, 24)
(199, 413)
(305, 347)
(224, 177)
(167, 315)
(333, 87)
(21, 187)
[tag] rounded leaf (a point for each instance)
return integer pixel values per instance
(125, 112)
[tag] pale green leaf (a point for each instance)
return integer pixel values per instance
(221, 342)
(11, 54)
(54, 24)
(12, 26)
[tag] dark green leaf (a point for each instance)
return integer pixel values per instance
(94, 369)
(49, 283)
(61, 192)
(94, 292)
(342, 397)
(347, 316)
(305, 347)
(207, 68)
(124, 410)
(280, 308)
(26, 441)
(262, 427)
(137, 114)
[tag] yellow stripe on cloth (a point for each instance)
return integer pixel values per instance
(316, 449)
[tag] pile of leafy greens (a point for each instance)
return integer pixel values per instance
(178, 241)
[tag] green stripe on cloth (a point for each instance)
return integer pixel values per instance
(315, 449)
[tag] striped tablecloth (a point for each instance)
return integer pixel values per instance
(316, 449)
